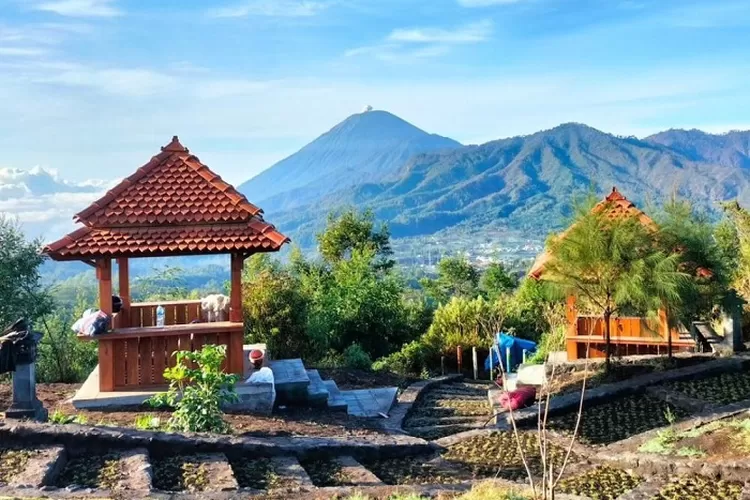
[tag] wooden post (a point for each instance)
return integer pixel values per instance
(123, 270)
(442, 365)
(106, 349)
(459, 359)
(475, 362)
(235, 298)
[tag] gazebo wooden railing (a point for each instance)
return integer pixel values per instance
(173, 205)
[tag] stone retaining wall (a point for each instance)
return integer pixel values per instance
(102, 438)
(567, 402)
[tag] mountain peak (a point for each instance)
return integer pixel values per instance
(365, 147)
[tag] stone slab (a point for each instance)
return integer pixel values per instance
(532, 375)
(369, 402)
(41, 469)
(89, 397)
(291, 380)
(335, 401)
(357, 473)
(292, 472)
(408, 397)
(219, 472)
(136, 471)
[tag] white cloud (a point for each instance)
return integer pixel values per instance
(80, 8)
(21, 51)
(272, 8)
(485, 3)
(469, 33)
(117, 81)
(413, 44)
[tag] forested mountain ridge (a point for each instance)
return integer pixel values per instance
(531, 181)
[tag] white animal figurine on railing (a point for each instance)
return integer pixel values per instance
(215, 307)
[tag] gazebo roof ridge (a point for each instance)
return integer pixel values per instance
(172, 205)
(178, 151)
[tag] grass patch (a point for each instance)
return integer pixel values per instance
(720, 389)
(325, 473)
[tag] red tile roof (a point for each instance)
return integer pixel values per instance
(616, 206)
(172, 205)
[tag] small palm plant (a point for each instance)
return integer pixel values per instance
(197, 394)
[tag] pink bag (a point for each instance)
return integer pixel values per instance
(520, 398)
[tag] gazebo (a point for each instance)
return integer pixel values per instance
(629, 335)
(174, 205)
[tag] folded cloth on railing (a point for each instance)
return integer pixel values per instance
(91, 324)
(520, 398)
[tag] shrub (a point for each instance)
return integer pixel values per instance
(551, 341)
(197, 394)
(147, 422)
(412, 359)
(356, 357)
(464, 322)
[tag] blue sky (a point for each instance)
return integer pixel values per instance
(92, 88)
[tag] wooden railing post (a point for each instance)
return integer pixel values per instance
(235, 298)
(124, 291)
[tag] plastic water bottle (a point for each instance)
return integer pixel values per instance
(160, 316)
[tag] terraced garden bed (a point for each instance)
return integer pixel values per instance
(448, 409)
(325, 473)
(699, 488)
(497, 454)
(12, 461)
(180, 473)
(618, 419)
(417, 470)
(257, 473)
(601, 483)
(720, 389)
(727, 439)
(102, 471)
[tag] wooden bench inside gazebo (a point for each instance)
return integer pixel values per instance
(628, 335)
(174, 205)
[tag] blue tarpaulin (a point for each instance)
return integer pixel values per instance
(503, 342)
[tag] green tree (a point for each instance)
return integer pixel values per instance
(21, 293)
(691, 234)
(614, 265)
(464, 322)
(355, 231)
(496, 281)
(736, 241)
(456, 278)
(275, 308)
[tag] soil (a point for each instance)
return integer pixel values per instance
(325, 473)
(91, 471)
(699, 488)
(350, 379)
(288, 422)
(716, 441)
(179, 473)
(595, 376)
(600, 483)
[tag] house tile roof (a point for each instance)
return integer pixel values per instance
(616, 206)
(172, 205)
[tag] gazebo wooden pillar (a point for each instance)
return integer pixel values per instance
(173, 205)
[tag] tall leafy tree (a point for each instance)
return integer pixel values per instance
(496, 280)
(21, 292)
(614, 265)
(456, 278)
(355, 231)
(691, 234)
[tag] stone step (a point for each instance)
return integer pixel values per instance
(428, 421)
(290, 380)
(357, 473)
(317, 392)
(336, 401)
(42, 468)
